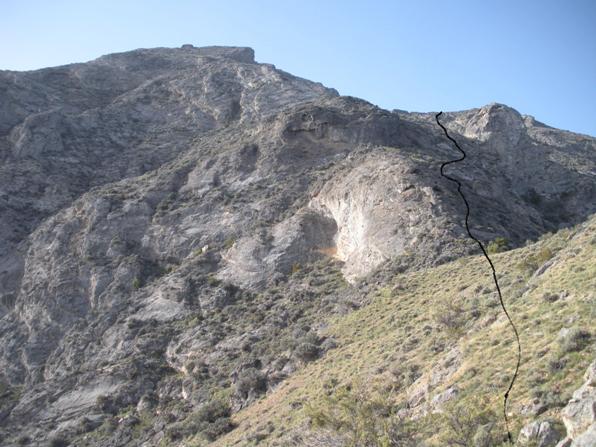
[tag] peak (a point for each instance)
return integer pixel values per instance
(495, 116)
(492, 122)
(495, 108)
(176, 57)
(240, 54)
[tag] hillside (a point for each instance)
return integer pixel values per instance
(187, 232)
(433, 341)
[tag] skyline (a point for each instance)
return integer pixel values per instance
(536, 57)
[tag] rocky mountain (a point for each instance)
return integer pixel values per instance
(179, 226)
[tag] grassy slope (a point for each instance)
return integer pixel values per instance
(396, 343)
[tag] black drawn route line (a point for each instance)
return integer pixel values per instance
(459, 190)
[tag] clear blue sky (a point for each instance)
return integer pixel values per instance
(538, 56)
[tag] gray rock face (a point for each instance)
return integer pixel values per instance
(579, 416)
(145, 194)
(539, 434)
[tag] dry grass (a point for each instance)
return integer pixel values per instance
(399, 344)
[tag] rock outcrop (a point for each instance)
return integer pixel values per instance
(539, 434)
(579, 416)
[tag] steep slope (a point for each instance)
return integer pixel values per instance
(434, 341)
(178, 224)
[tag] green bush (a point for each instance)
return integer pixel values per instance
(212, 411)
(251, 379)
(307, 351)
(543, 255)
(136, 283)
(217, 428)
(229, 242)
(471, 423)
(362, 418)
(532, 262)
(210, 421)
(499, 245)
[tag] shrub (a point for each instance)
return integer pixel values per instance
(251, 379)
(177, 431)
(105, 404)
(109, 425)
(212, 411)
(229, 242)
(136, 283)
(574, 339)
(217, 428)
(101, 401)
(532, 262)
(556, 363)
(328, 344)
(533, 197)
(499, 245)
(307, 351)
(544, 255)
(58, 442)
(361, 418)
(551, 398)
(212, 280)
(411, 374)
(550, 297)
(85, 426)
(471, 423)
(450, 315)
(210, 421)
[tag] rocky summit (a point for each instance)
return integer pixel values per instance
(183, 231)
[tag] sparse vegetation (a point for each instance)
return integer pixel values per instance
(398, 342)
(207, 423)
(358, 419)
(472, 423)
(450, 315)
